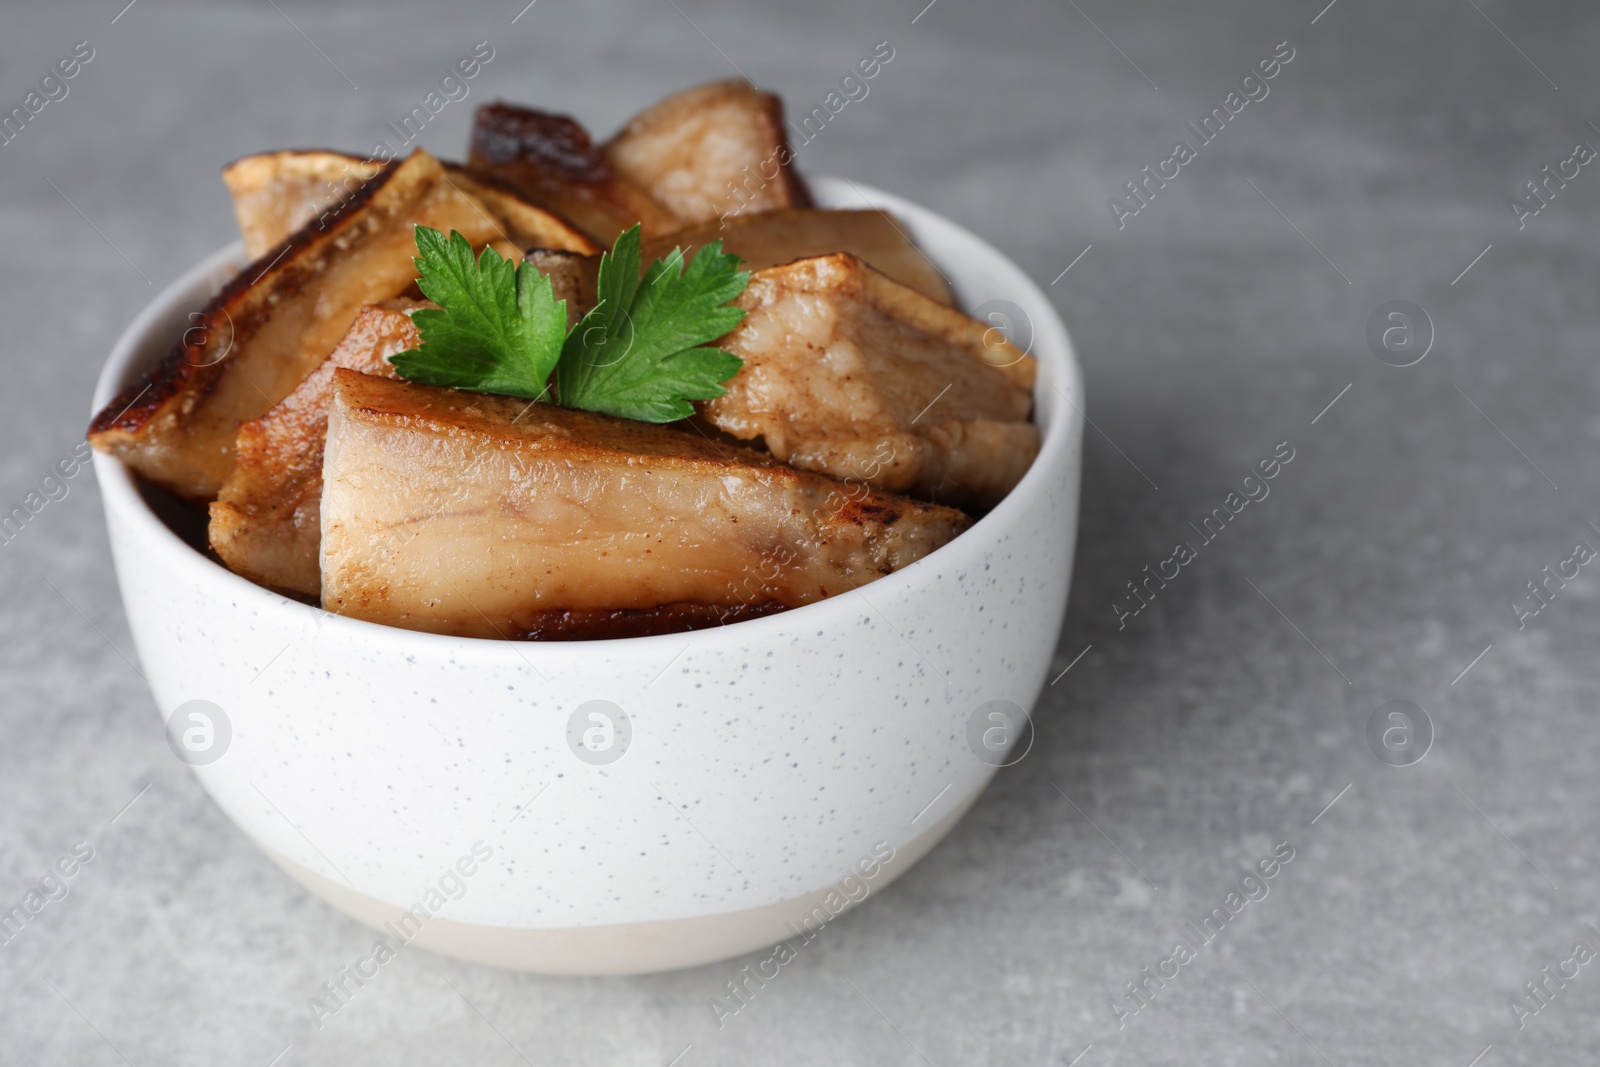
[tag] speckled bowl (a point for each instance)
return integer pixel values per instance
(738, 785)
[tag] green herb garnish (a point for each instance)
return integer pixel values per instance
(641, 353)
(498, 328)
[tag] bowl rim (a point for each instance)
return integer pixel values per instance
(1059, 371)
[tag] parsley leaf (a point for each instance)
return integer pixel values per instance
(642, 352)
(498, 328)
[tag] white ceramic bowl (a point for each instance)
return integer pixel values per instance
(767, 768)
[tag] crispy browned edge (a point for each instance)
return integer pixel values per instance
(797, 192)
(554, 144)
(397, 401)
(142, 402)
(259, 485)
(242, 175)
(184, 374)
(794, 184)
(525, 221)
(519, 213)
(675, 618)
(551, 160)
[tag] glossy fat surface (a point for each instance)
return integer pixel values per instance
(551, 160)
(771, 238)
(850, 373)
(480, 516)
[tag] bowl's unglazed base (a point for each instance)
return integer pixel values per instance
(626, 948)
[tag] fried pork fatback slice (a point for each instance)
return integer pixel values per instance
(761, 241)
(280, 318)
(277, 193)
(850, 373)
(523, 224)
(485, 516)
(266, 522)
(550, 160)
(782, 236)
(711, 151)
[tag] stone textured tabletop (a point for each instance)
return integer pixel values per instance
(1234, 309)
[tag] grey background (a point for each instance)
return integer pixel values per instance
(1208, 730)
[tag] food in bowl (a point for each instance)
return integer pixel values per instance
(750, 765)
(577, 415)
(677, 531)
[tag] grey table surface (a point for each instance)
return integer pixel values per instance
(1222, 720)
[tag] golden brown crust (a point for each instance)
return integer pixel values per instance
(154, 407)
(526, 224)
(279, 318)
(550, 159)
(575, 435)
(266, 523)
